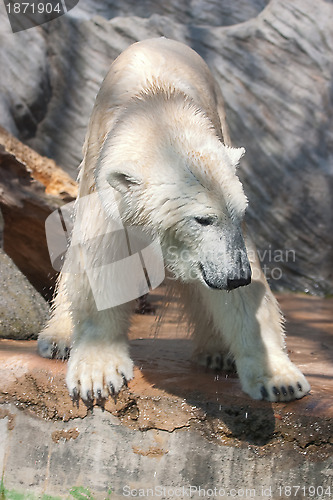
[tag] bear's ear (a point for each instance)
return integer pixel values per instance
(235, 154)
(122, 181)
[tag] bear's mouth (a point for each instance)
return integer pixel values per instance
(214, 285)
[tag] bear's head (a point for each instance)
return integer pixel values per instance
(174, 178)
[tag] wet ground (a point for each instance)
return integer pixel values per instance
(170, 392)
(164, 357)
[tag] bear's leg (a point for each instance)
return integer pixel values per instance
(250, 322)
(54, 340)
(99, 362)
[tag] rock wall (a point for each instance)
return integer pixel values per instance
(273, 61)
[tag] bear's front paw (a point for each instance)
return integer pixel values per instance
(284, 383)
(97, 371)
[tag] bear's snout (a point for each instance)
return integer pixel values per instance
(239, 275)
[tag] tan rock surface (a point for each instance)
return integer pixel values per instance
(169, 392)
(42, 169)
(31, 188)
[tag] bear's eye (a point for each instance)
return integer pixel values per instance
(205, 221)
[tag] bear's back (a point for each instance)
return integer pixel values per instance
(159, 63)
(164, 63)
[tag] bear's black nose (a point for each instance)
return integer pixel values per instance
(237, 282)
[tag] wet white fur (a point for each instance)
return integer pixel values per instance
(159, 120)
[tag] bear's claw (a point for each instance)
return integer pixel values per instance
(75, 393)
(264, 392)
(89, 396)
(124, 381)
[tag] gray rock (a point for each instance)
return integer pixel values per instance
(273, 62)
(23, 311)
(97, 458)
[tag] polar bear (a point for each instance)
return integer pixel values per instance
(157, 152)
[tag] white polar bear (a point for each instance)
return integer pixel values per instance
(157, 139)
